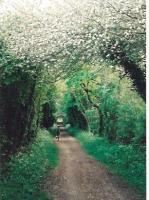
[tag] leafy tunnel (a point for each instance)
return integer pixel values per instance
(82, 61)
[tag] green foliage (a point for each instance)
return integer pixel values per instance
(14, 69)
(92, 116)
(131, 124)
(27, 169)
(104, 99)
(34, 54)
(67, 102)
(21, 115)
(124, 160)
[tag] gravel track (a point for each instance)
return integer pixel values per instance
(80, 177)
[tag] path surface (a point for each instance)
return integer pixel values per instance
(79, 177)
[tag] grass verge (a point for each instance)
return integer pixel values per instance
(123, 160)
(27, 170)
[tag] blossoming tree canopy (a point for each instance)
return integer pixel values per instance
(79, 60)
(57, 34)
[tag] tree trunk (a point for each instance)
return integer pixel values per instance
(136, 74)
(133, 70)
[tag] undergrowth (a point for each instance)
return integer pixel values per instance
(27, 170)
(123, 160)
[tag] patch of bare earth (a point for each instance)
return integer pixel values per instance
(79, 177)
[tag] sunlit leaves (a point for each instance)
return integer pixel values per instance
(104, 99)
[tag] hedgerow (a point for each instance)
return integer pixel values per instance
(26, 170)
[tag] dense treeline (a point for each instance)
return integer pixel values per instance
(26, 102)
(97, 47)
(107, 105)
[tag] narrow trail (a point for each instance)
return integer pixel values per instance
(79, 177)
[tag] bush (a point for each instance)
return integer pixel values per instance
(27, 170)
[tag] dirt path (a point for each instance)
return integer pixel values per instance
(79, 177)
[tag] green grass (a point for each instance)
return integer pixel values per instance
(27, 170)
(123, 160)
